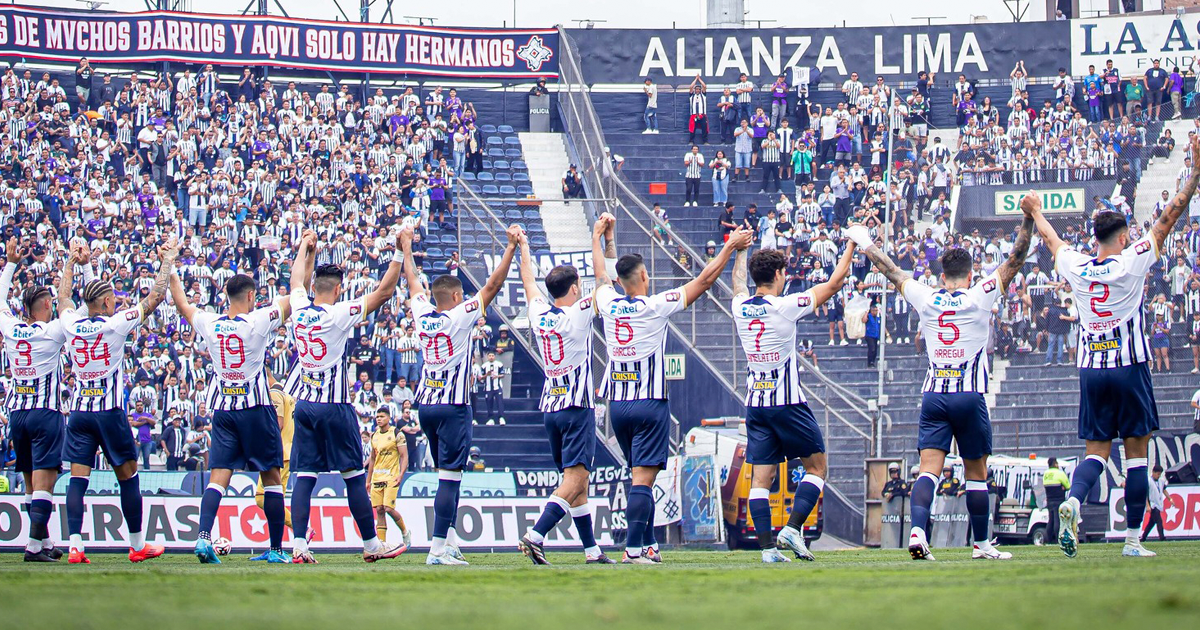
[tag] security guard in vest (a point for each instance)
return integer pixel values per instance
(895, 488)
(1057, 484)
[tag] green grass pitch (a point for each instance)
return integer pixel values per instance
(692, 589)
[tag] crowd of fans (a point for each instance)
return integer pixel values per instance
(237, 170)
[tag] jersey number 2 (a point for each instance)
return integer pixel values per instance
(1097, 301)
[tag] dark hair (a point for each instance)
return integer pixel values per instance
(956, 263)
(31, 295)
(1052, 462)
(1106, 225)
(560, 280)
(764, 264)
(628, 264)
(95, 290)
(1157, 468)
(326, 277)
(238, 286)
(443, 286)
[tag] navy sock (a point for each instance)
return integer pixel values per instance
(445, 506)
(1137, 489)
(1085, 476)
(131, 503)
(978, 508)
(360, 505)
(922, 499)
(760, 511)
(76, 488)
(637, 513)
(39, 516)
(582, 516)
(551, 515)
(209, 502)
(807, 494)
(648, 539)
(301, 501)
(273, 509)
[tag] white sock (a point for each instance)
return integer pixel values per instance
(918, 531)
(451, 538)
(299, 545)
(535, 537)
(592, 552)
(1074, 503)
(28, 500)
(438, 547)
(654, 547)
(77, 542)
(1133, 536)
(984, 545)
(137, 540)
(33, 546)
(372, 544)
(633, 552)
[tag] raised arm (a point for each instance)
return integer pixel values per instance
(1170, 215)
(11, 256)
(166, 268)
(738, 240)
(415, 287)
(495, 282)
(302, 266)
(66, 283)
(528, 276)
(603, 252)
(1016, 258)
(1032, 205)
(387, 286)
(740, 271)
(862, 237)
(181, 304)
(822, 292)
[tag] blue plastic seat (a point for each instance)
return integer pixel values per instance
(488, 128)
(467, 239)
(513, 141)
(536, 228)
(484, 176)
(501, 165)
(491, 189)
(542, 252)
(474, 188)
(487, 165)
(514, 215)
(498, 152)
(519, 165)
(524, 190)
(495, 140)
(532, 215)
(467, 176)
(508, 190)
(471, 253)
(520, 177)
(435, 252)
(504, 129)
(512, 153)
(484, 239)
(503, 177)
(538, 240)
(448, 239)
(466, 227)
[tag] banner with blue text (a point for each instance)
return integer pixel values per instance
(277, 41)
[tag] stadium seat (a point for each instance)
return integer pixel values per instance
(466, 226)
(538, 240)
(479, 227)
(501, 165)
(525, 190)
(520, 177)
(512, 153)
(514, 215)
(508, 190)
(448, 239)
(488, 129)
(519, 165)
(505, 129)
(485, 176)
(531, 215)
(467, 239)
(435, 252)
(471, 253)
(484, 239)
(497, 152)
(467, 176)
(491, 189)
(487, 165)
(536, 228)
(474, 188)
(495, 140)
(542, 252)
(512, 140)
(503, 177)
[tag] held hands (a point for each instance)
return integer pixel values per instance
(405, 238)
(1031, 204)
(740, 239)
(514, 233)
(604, 225)
(860, 235)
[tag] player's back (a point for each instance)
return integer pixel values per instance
(96, 346)
(34, 351)
(564, 341)
(955, 326)
(320, 332)
(766, 325)
(238, 347)
(635, 329)
(1109, 294)
(445, 338)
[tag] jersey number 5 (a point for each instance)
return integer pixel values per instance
(1098, 301)
(622, 323)
(942, 323)
(307, 344)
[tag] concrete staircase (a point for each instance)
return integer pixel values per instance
(566, 223)
(1160, 176)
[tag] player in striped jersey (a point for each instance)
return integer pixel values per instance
(955, 322)
(635, 327)
(1116, 395)
(444, 393)
(325, 425)
(33, 346)
(779, 424)
(564, 339)
(245, 427)
(96, 341)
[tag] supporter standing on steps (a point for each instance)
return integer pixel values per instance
(693, 165)
(650, 116)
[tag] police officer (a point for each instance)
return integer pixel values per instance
(895, 488)
(950, 486)
(1057, 484)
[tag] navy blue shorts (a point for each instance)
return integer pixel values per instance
(572, 433)
(962, 416)
(325, 438)
(37, 436)
(89, 430)
(448, 428)
(1116, 402)
(643, 430)
(777, 434)
(246, 439)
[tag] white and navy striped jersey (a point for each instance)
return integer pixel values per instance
(766, 325)
(955, 325)
(564, 341)
(1110, 294)
(34, 352)
(320, 333)
(635, 329)
(96, 346)
(446, 346)
(238, 347)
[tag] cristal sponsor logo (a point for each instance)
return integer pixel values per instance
(234, 391)
(947, 373)
(435, 383)
(558, 391)
(626, 376)
(1104, 346)
(92, 392)
(25, 389)
(315, 381)
(763, 386)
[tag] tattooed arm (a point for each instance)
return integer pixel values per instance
(739, 273)
(66, 283)
(162, 280)
(1170, 216)
(888, 268)
(1016, 258)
